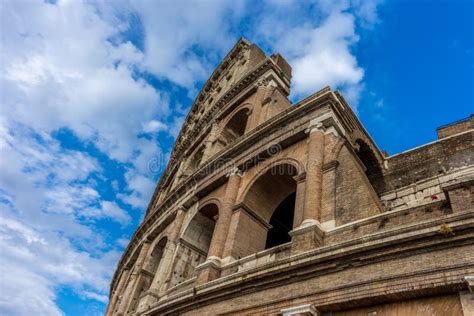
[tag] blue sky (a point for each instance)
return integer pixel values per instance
(92, 93)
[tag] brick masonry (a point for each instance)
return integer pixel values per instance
(370, 234)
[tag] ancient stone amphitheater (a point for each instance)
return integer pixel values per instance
(273, 208)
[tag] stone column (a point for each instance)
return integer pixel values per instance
(459, 194)
(309, 234)
(313, 189)
(210, 269)
(248, 126)
(166, 261)
(299, 201)
(219, 237)
(129, 292)
(118, 292)
(328, 215)
(160, 281)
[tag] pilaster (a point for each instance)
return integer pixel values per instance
(209, 269)
(309, 234)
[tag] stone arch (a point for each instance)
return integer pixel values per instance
(152, 262)
(366, 155)
(265, 214)
(156, 254)
(236, 123)
(335, 150)
(263, 190)
(208, 201)
(351, 180)
(195, 241)
(195, 159)
(299, 167)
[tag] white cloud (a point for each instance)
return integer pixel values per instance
(62, 70)
(174, 31)
(326, 59)
(108, 209)
(318, 42)
(154, 126)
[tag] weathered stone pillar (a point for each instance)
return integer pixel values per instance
(165, 262)
(118, 292)
(160, 281)
(328, 208)
(299, 201)
(130, 289)
(210, 269)
(314, 179)
(310, 234)
(219, 237)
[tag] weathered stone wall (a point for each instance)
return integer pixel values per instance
(355, 196)
(370, 233)
(428, 161)
(438, 305)
(455, 128)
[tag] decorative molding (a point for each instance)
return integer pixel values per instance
(211, 262)
(252, 214)
(189, 245)
(315, 126)
(300, 177)
(307, 226)
(234, 172)
(470, 282)
(147, 273)
(332, 165)
(302, 310)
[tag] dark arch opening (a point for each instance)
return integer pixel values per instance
(282, 222)
(152, 267)
(372, 166)
(236, 126)
(156, 255)
(195, 243)
(272, 197)
(195, 159)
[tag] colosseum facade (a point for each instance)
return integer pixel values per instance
(273, 208)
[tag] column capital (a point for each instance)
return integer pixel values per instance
(469, 279)
(307, 309)
(234, 172)
(300, 177)
(315, 126)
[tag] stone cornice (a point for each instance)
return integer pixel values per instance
(419, 238)
(189, 245)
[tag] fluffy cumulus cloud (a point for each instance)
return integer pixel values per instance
(318, 41)
(92, 97)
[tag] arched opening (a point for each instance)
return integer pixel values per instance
(156, 255)
(195, 160)
(195, 242)
(152, 267)
(372, 166)
(267, 211)
(281, 222)
(236, 126)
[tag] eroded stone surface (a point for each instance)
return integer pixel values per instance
(368, 234)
